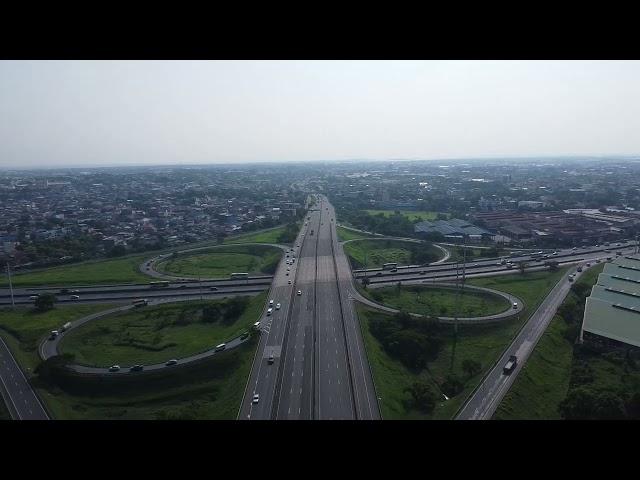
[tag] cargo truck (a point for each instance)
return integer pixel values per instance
(510, 365)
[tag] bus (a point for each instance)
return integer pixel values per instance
(161, 284)
(140, 302)
(389, 266)
(239, 275)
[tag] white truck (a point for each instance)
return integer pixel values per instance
(510, 365)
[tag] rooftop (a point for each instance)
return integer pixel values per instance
(613, 309)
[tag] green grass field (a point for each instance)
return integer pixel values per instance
(23, 328)
(262, 236)
(155, 334)
(483, 343)
(345, 234)
(410, 214)
(120, 270)
(544, 380)
(441, 302)
(527, 286)
(472, 254)
(214, 392)
(222, 261)
(375, 253)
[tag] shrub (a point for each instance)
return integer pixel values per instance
(452, 385)
(423, 396)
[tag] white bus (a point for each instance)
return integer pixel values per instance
(239, 275)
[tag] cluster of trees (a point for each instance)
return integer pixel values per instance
(588, 399)
(422, 396)
(44, 302)
(395, 225)
(290, 233)
(586, 403)
(50, 252)
(422, 254)
(226, 312)
(411, 340)
(572, 310)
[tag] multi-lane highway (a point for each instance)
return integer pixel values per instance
(319, 369)
(118, 293)
(446, 271)
(19, 397)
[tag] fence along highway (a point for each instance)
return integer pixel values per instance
(319, 369)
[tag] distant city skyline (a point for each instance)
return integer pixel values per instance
(62, 114)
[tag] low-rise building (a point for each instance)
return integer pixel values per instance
(612, 311)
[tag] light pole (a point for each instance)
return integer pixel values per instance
(13, 305)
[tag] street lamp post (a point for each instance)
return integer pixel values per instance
(10, 285)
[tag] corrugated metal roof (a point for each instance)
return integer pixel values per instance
(613, 309)
(618, 324)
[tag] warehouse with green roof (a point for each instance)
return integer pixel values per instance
(612, 312)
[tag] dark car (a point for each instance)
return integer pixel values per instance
(64, 290)
(136, 368)
(213, 289)
(182, 286)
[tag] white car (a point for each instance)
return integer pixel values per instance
(270, 303)
(74, 297)
(256, 398)
(289, 282)
(299, 292)
(277, 306)
(269, 311)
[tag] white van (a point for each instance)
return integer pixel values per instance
(221, 347)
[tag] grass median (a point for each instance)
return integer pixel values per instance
(263, 236)
(223, 261)
(345, 234)
(480, 343)
(121, 270)
(375, 253)
(159, 333)
(208, 390)
(23, 328)
(438, 301)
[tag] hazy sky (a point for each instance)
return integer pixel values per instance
(158, 112)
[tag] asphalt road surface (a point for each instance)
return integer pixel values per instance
(319, 369)
(377, 275)
(97, 294)
(482, 404)
(21, 400)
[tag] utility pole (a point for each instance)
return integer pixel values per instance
(13, 305)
